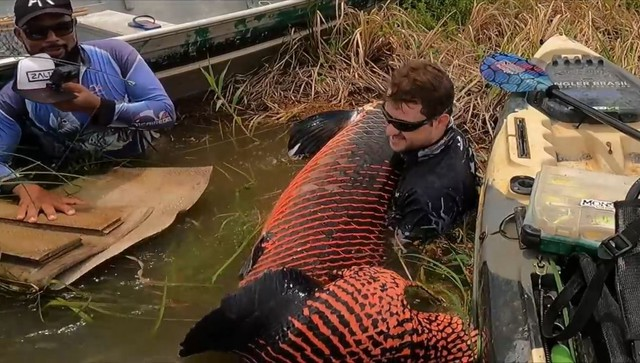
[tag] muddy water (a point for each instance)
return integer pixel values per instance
(129, 289)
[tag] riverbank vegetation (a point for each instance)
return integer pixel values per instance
(349, 66)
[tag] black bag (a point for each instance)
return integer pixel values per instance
(588, 289)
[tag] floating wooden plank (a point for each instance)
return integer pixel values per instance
(34, 244)
(146, 216)
(101, 220)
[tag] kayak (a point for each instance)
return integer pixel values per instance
(551, 180)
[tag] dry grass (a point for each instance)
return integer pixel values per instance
(350, 67)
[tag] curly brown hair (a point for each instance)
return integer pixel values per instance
(423, 82)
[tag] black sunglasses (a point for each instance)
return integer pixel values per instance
(39, 32)
(402, 125)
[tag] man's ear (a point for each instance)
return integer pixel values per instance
(443, 120)
(18, 33)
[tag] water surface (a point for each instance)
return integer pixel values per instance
(247, 178)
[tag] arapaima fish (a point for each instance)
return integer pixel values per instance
(332, 215)
(361, 316)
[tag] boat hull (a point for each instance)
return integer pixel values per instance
(504, 273)
(248, 35)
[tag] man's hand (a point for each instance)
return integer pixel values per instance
(85, 100)
(34, 198)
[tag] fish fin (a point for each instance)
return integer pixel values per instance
(256, 252)
(308, 136)
(254, 312)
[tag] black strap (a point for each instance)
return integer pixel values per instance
(608, 252)
(628, 290)
(607, 325)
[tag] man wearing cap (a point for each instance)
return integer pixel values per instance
(108, 108)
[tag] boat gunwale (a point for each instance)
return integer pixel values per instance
(176, 29)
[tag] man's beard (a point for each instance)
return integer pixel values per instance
(73, 54)
(70, 54)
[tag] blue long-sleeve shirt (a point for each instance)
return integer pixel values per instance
(140, 108)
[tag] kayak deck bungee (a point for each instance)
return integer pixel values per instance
(553, 171)
(332, 215)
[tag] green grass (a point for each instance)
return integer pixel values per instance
(430, 13)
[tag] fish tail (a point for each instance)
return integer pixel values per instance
(460, 341)
(311, 134)
(253, 312)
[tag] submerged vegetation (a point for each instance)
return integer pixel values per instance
(348, 66)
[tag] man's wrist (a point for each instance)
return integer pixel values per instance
(103, 114)
(14, 186)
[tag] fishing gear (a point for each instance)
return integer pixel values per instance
(64, 63)
(62, 75)
(513, 74)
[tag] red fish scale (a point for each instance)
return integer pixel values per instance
(332, 214)
(363, 316)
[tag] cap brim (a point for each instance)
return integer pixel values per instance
(45, 95)
(61, 11)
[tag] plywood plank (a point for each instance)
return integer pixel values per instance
(145, 216)
(102, 220)
(34, 244)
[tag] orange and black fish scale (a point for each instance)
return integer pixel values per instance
(363, 316)
(333, 213)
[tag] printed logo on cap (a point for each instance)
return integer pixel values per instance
(39, 76)
(39, 2)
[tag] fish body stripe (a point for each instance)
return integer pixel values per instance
(363, 316)
(332, 215)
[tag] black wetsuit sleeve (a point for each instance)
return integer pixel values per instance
(426, 213)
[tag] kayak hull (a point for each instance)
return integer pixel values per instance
(503, 293)
(505, 273)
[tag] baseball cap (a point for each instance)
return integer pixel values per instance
(25, 10)
(32, 80)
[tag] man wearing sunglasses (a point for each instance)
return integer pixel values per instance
(438, 182)
(108, 110)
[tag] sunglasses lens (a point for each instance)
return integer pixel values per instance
(40, 33)
(400, 125)
(404, 126)
(35, 34)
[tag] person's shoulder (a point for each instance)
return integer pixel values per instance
(108, 43)
(461, 139)
(112, 46)
(8, 94)
(120, 52)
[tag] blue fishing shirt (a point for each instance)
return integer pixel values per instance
(140, 109)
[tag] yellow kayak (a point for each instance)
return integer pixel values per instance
(551, 180)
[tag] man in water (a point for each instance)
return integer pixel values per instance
(109, 118)
(438, 183)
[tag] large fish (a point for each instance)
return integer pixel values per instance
(332, 215)
(362, 316)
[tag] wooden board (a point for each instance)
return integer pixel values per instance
(98, 220)
(34, 244)
(146, 215)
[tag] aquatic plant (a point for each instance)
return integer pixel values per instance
(222, 96)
